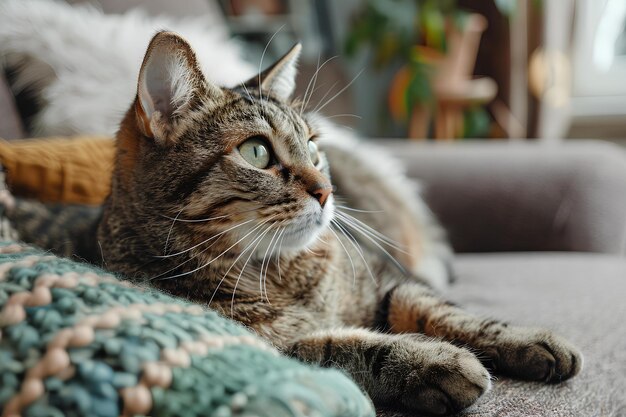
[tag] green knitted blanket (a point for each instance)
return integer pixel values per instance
(77, 341)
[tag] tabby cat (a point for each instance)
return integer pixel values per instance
(224, 196)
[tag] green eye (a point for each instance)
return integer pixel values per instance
(256, 152)
(313, 152)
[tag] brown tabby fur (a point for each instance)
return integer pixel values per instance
(189, 215)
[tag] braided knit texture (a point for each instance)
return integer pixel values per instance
(77, 341)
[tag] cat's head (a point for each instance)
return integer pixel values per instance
(240, 163)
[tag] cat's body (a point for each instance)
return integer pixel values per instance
(221, 196)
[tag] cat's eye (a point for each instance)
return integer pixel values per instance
(256, 152)
(314, 152)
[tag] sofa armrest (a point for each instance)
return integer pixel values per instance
(494, 197)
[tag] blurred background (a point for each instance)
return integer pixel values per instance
(449, 69)
(439, 69)
(488, 102)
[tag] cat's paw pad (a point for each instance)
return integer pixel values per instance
(447, 380)
(539, 355)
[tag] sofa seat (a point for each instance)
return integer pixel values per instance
(579, 295)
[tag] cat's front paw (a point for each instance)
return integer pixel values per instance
(536, 355)
(437, 378)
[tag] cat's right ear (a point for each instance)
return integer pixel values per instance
(169, 80)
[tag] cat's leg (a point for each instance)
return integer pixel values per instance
(527, 353)
(409, 372)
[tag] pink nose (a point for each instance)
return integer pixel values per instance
(321, 193)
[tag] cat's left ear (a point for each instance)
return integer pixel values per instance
(280, 78)
(169, 81)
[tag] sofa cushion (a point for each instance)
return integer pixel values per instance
(73, 170)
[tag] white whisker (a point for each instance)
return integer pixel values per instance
(347, 253)
(344, 115)
(365, 234)
(352, 240)
(249, 246)
(359, 211)
(263, 56)
(204, 241)
(262, 278)
(332, 87)
(356, 223)
(169, 232)
(243, 85)
(221, 254)
(232, 300)
(318, 108)
(313, 80)
(277, 253)
(280, 248)
(191, 258)
(304, 97)
(176, 219)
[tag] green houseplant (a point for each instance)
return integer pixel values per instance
(413, 34)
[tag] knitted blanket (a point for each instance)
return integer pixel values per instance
(77, 341)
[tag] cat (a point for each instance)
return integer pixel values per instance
(232, 198)
(224, 196)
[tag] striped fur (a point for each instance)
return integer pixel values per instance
(189, 215)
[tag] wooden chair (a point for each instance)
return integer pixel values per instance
(454, 89)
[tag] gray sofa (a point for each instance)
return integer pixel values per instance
(540, 233)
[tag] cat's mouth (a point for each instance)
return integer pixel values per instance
(304, 230)
(297, 233)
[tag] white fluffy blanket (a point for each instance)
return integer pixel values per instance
(65, 55)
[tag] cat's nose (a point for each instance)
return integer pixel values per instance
(321, 193)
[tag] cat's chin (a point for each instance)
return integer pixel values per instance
(300, 233)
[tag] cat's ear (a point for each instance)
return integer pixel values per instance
(169, 80)
(279, 79)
